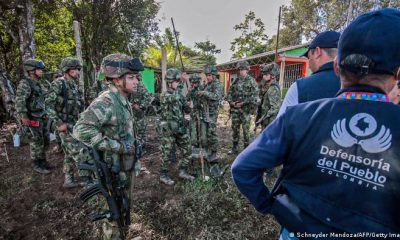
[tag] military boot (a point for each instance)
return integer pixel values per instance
(234, 150)
(213, 158)
(185, 175)
(69, 181)
(37, 167)
(164, 178)
(45, 164)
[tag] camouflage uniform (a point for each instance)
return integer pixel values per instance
(62, 110)
(30, 104)
(271, 98)
(174, 128)
(197, 111)
(210, 99)
(108, 126)
(142, 98)
(244, 90)
(99, 85)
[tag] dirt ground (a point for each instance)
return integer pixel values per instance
(34, 206)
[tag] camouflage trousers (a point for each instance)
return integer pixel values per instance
(140, 125)
(182, 141)
(211, 141)
(197, 131)
(267, 121)
(74, 154)
(110, 229)
(38, 140)
(243, 119)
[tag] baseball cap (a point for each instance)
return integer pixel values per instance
(370, 44)
(327, 39)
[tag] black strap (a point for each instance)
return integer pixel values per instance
(65, 98)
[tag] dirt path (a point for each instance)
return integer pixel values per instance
(34, 206)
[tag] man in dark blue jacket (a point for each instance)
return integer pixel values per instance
(340, 156)
(323, 83)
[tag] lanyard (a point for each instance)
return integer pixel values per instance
(378, 97)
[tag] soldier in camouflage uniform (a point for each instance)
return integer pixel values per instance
(30, 107)
(140, 101)
(242, 98)
(108, 126)
(63, 105)
(174, 127)
(210, 98)
(99, 85)
(270, 94)
(197, 111)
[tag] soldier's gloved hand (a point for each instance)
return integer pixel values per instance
(127, 148)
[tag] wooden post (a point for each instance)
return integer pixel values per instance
(163, 69)
(282, 74)
(77, 38)
(277, 34)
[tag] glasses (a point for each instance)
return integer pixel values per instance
(39, 65)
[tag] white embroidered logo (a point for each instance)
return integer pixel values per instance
(362, 125)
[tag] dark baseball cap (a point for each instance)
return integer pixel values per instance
(327, 39)
(370, 44)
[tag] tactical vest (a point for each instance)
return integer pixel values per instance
(69, 102)
(242, 90)
(342, 173)
(35, 102)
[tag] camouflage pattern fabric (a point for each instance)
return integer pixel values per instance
(142, 98)
(29, 103)
(271, 102)
(97, 88)
(213, 93)
(245, 90)
(105, 125)
(197, 112)
(58, 114)
(174, 128)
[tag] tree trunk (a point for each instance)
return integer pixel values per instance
(26, 29)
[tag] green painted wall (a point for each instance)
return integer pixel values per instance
(148, 79)
(296, 52)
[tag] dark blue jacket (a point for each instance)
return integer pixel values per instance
(341, 167)
(321, 84)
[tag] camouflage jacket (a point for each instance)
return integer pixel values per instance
(244, 90)
(29, 101)
(271, 102)
(56, 104)
(192, 96)
(173, 107)
(213, 93)
(141, 97)
(105, 124)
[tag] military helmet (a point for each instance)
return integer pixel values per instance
(70, 63)
(243, 65)
(32, 64)
(116, 65)
(172, 74)
(195, 78)
(271, 68)
(211, 69)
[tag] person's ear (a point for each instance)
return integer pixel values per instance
(336, 67)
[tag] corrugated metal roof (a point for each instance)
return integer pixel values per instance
(263, 54)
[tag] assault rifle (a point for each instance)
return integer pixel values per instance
(108, 185)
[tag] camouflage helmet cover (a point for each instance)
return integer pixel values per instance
(243, 65)
(271, 68)
(70, 63)
(32, 64)
(211, 69)
(116, 65)
(172, 74)
(195, 78)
